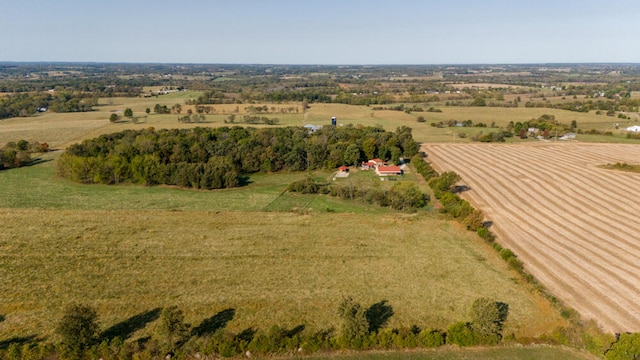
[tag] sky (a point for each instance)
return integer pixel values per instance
(328, 32)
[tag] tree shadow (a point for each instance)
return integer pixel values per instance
(217, 321)
(246, 335)
(295, 331)
(2, 318)
(487, 224)
(460, 189)
(21, 340)
(378, 315)
(244, 180)
(126, 328)
(33, 162)
(503, 311)
(37, 161)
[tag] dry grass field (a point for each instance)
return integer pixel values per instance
(132, 249)
(271, 267)
(572, 223)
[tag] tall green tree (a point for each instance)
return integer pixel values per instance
(128, 113)
(352, 155)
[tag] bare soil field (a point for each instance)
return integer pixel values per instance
(574, 225)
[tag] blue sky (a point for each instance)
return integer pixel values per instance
(320, 31)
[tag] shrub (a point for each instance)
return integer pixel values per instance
(507, 254)
(172, 331)
(354, 323)
(319, 340)
(488, 319)
(79, 329)
(270, 342)
(431, 338)
(305, 186)
(461, 334)
(406, 195)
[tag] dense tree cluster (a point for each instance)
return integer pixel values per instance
(211, 158)
(28, 104)
(17, 154)
(403, 195)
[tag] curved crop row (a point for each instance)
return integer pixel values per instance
(572, 223)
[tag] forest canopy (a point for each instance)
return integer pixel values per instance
(213, 158)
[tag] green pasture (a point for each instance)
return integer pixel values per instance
(46, 191)
(273, 257)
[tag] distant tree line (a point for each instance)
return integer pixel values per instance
(28, 104)
(211, 158)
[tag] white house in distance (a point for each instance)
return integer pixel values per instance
(634, 128)
(568, 136)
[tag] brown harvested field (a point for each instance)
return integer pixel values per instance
(573, 224)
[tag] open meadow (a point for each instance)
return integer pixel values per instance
(572, 223)
(131, 249)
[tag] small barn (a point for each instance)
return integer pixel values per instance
(389, 170)
(634, 128)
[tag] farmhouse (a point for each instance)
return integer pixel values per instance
(568, 136)
(372, 164)
(388, 170)
(634, 128)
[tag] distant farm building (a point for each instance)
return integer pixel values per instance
(343, 172)
(568, 136)
(312, 128)
(634, 128)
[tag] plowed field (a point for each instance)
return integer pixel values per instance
(575, 226)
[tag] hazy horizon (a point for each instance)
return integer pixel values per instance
(329, 32)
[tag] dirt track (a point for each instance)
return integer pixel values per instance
(574, 225)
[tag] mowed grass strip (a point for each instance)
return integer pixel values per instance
(38, 187)
(271, 267)
(534, 352)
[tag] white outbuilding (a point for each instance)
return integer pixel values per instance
(634, 128)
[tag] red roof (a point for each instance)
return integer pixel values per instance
(389, 169)
(343, 168)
